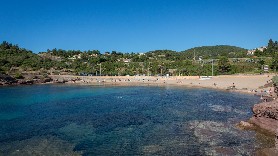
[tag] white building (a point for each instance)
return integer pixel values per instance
(252, 51)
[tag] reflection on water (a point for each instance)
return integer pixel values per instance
(86, 120)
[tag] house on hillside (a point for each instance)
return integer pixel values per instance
(94, 55)
(74, 57)
(125, 60)
(252, 51)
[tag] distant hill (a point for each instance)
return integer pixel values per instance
(15, 60)
(164, 54)
(215, 51)
(14, 56)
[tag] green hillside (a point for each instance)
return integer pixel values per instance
(215, 52)
(14, 59)
(12, 56)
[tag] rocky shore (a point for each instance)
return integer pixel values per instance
(7, 80)
(265, 120)
(265, 116)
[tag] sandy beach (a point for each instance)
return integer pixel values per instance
(242, 83)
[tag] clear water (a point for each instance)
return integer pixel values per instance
(99, 120)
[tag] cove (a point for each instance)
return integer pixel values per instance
(131, 120)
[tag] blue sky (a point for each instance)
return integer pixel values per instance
(137, 25)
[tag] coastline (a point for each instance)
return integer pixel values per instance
(247, 84)
(243, 84)
(250, 84)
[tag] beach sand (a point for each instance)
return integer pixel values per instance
(240, 83)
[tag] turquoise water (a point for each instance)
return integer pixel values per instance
(99, 120)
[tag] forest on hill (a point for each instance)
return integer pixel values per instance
(216, 51)
(12, 56)
(226, 59)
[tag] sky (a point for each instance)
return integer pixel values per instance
(137, 25)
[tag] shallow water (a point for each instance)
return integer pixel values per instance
(99, 120)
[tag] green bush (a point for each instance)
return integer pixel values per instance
(275, 80)
(18, 76)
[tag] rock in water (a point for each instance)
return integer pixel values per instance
(245, 125)
(265, 116)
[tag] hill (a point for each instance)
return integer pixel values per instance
(15, 61)
(215, 51)
(12, 56)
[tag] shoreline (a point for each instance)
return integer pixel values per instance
(246, 84)
(155, 85)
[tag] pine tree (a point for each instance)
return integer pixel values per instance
(223, 65)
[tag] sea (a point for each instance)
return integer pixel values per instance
(130, 120)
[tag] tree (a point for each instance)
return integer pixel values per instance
(223, 65)
(261, 62)
(274, 63)
(258, 53)
(270, 44)
(272, 47)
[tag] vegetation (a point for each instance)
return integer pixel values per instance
(270, 51)
(19, 76)
(275, 84)
(218, 51)
(196, 61)
(11, 56)
(223, 65)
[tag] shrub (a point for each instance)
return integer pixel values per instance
(18, 76)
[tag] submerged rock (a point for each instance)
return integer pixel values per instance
(220, 138)
(245, 125)
(210, 132)
(151, 149)
(47, 146)
(75, 132)
(220, 108)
